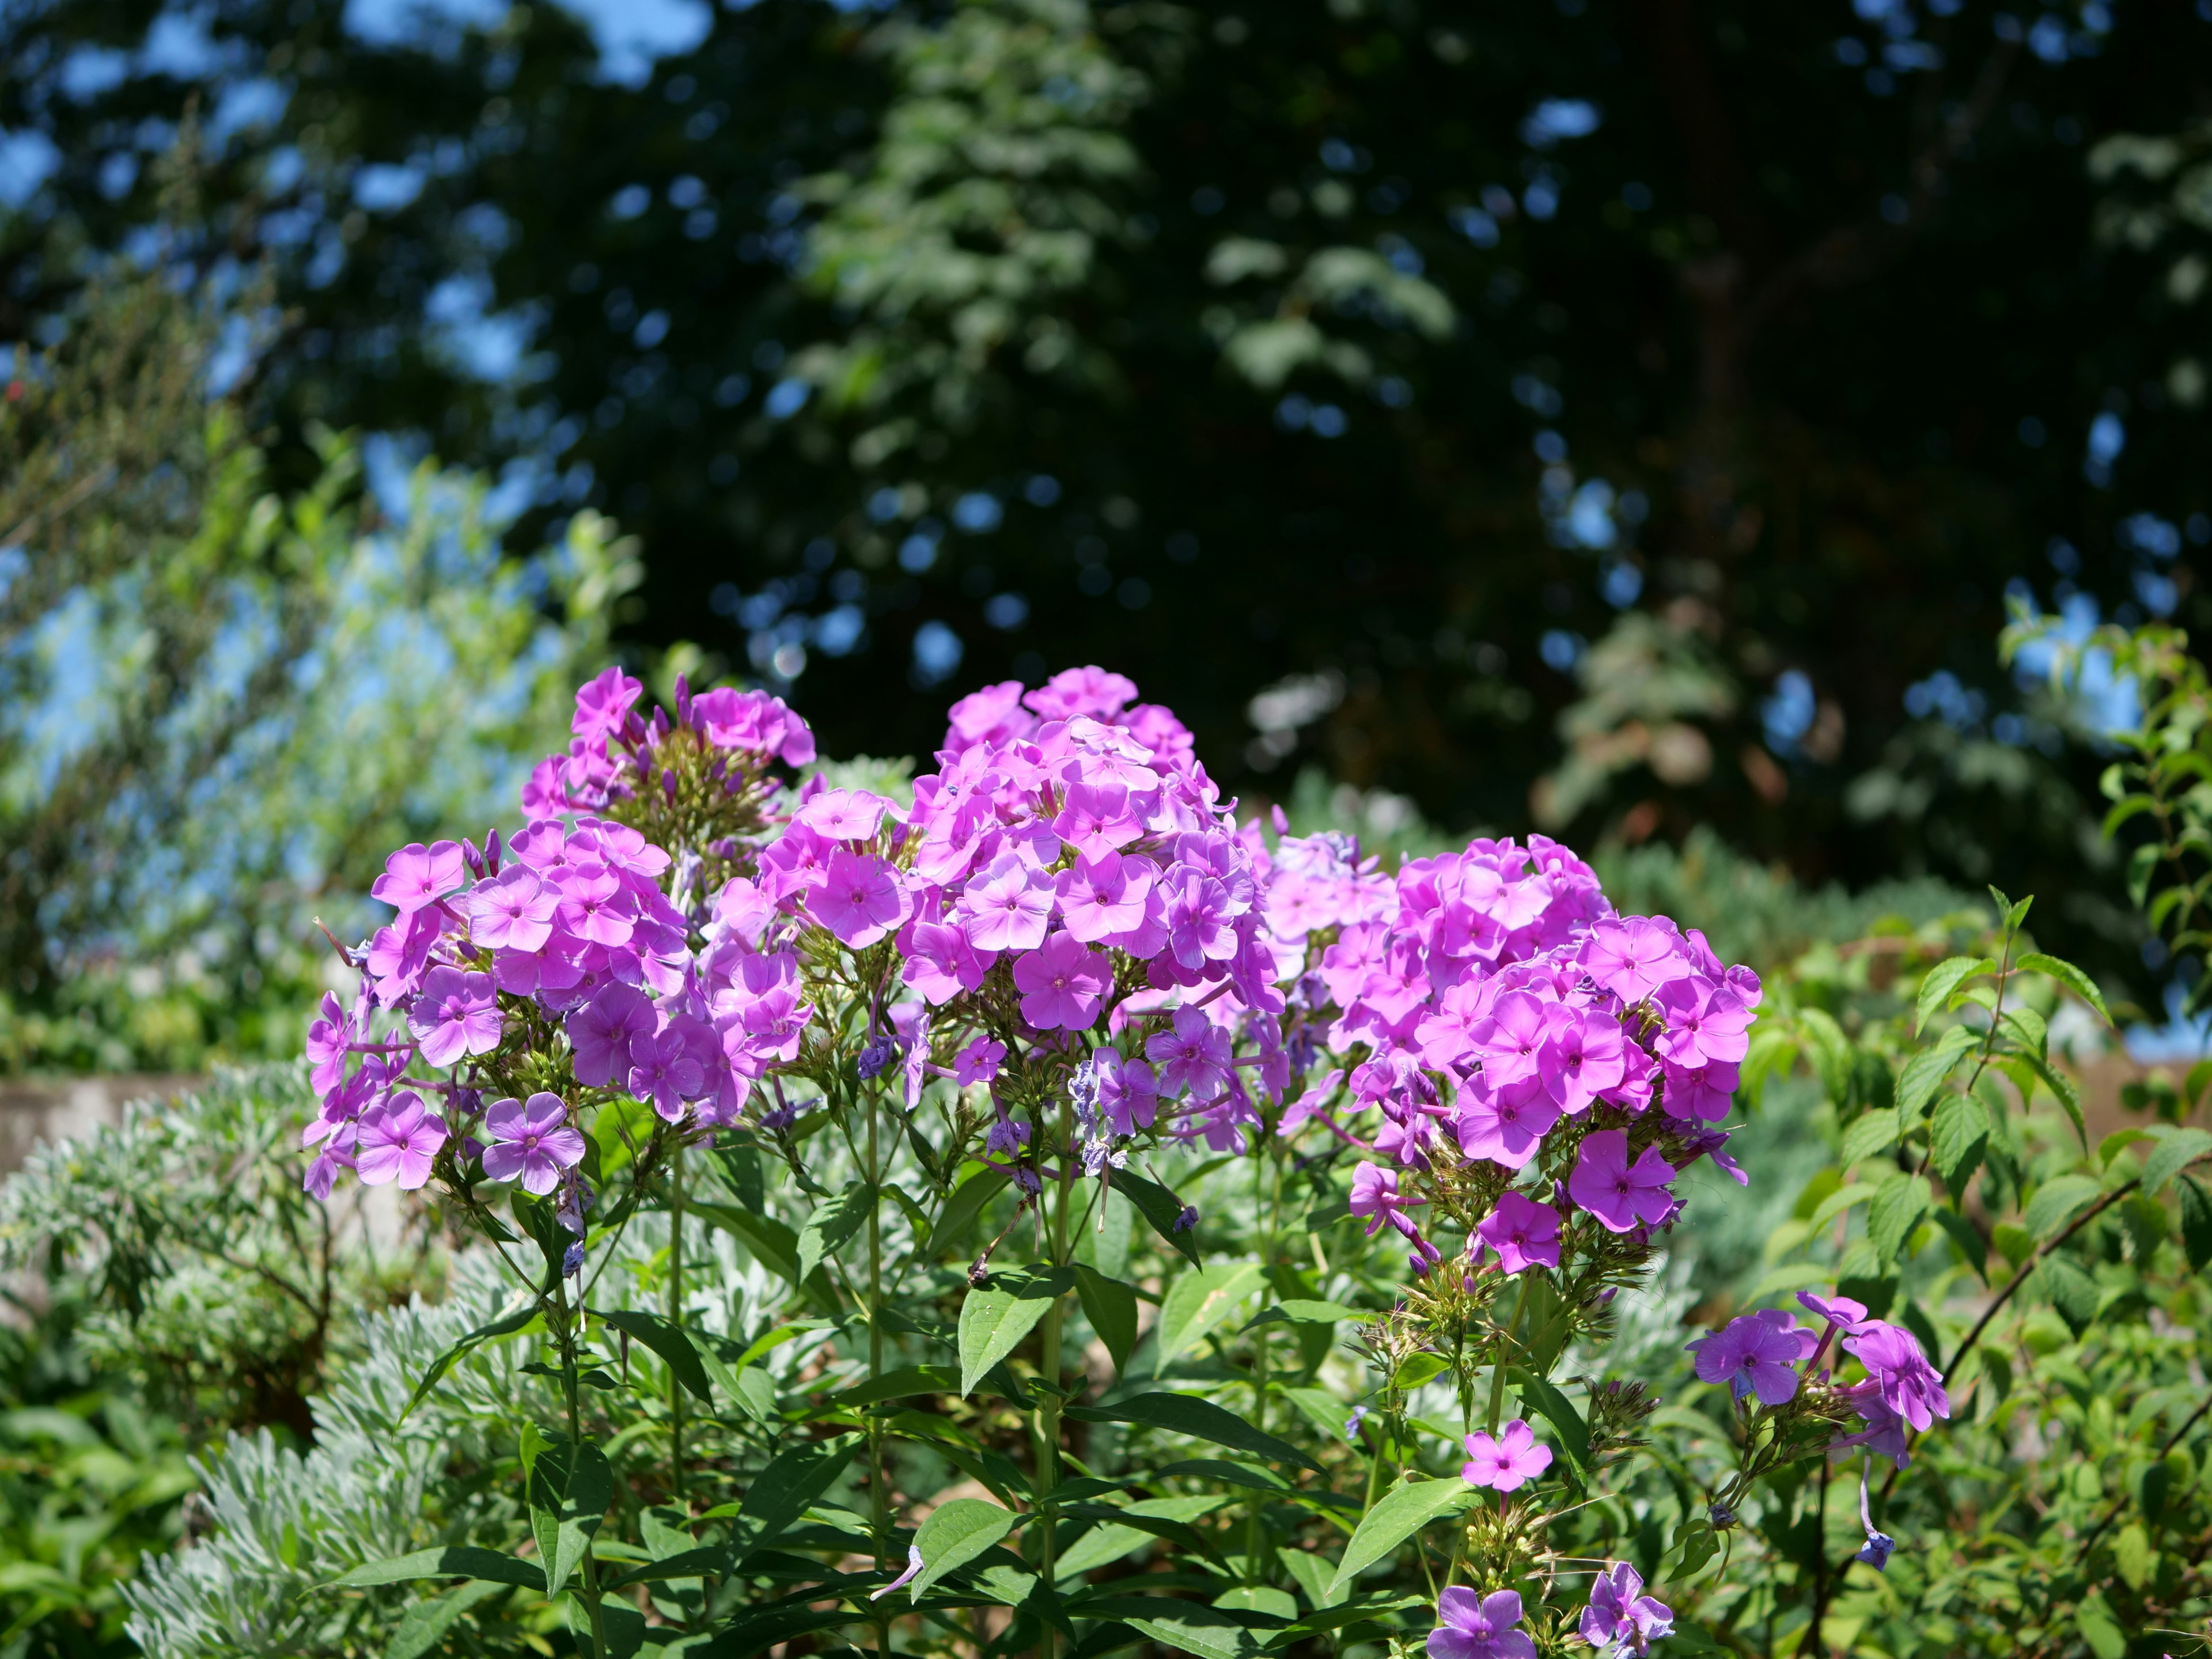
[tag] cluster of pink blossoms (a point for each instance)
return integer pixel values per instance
(574, 916)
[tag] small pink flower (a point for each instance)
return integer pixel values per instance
(1007, 907)
(1508, 1463)
(1523, 1232)
(978, 1062)
(1619, 1196)
(417, 876)
(532, 1143)
(1374, 1195)
(455, 1014)
(513, 913)
(859, 899)
(396, 1142)
(844, 814)
(1062, 982)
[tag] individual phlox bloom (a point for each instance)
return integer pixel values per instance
(1910, 1386)
(1620, 1617)
(1472, 1626)
(455, 1014)
(1089, 690)
(1199, 919)
(663, 1070)
(1126, 1093)
(1007, 907)
(844, 814)
(1007, 1138)
(1705, 1022)
(993, 715)
(1375, 1194)
(395, 1143)
(1885, 1434)
(1839, 1311)
(1505, 1123)
(860, 899)
(795, 861)
(1757, 1353)
(1103, 895)
(1508, 1462)
(532, 1142)
(1620, 1196)
(328, 1041)
(1523, 1232)
(513, 913)
(1097, 818)
(979, 1061)
(593, 904)
(400, 954)
(602, 1031)
(1701, 1095)
(1581, 1058)
(603, 704)
(1632, 956)
(1192, 1058)
(416, 875)
(1510, 1041)
(1062, 983)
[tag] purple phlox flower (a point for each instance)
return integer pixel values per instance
(1505, 1122)
(1007, 907)
(1508, 1462)
(662, 1071)
(1375, 1194)
(328, 1038)
(1621, 1616)
(1509, 1040)
(601, 1033)
(1581, 1057)
(396, 1142)
(979, 1061)
(1620, 1196)
(417, 876)
(1879, 1544)
(1705, 1023)
(514, 912)
(912, 1024)
(1523, 1232)
(1351, 1423)
(1186, 1218)
(1757, 1354)
(1910, 1386)
(594, 903)
(913, 1567)
(455, 1014)
(859, 898)
(532, 1142)
(844, 814)
(399, 954)
(1194, 1056)
(603, 704)
(1101, 897)
(1472, 1626)
(1007, 1138)
(877, 1057)
(323, 1173)
(1062, 982)
(1199, 919)
(1632, 956)
(1836, 1314)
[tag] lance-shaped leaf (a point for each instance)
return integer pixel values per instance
(1200, 1418)
(2070, 976)
(832, 1224)
(1160, 1208)
(1198, 1302)
(787, 1488)
(2195, 1222)
(1924, 1072)
(671, 1342)
(518, 1313)
(955, 1534)
(426, 1623)
(1945, 977)
(771, 1243)
(1397, 1515)
(1185, 1626)
(2055, 1201)
(570, 1487)
(995, 1319)
(1111, 1308)
(964, 1206)
(453, 1561)
(1899, 1207)
(1959, 1137)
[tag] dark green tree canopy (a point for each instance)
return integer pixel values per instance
(1684, 381)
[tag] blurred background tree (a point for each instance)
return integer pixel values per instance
(1607, 418)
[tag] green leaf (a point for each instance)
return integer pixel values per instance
(2178, 1148)
(1870, 1136)
(2192, 1087)
(1161, 1208)
(1958, 1137)
(994, 1320)
(1941, 980)
(699, 1563)
(1299, 1311)
(2071, 1291)
(2055, 1201)
(902, 1383)
(454, 1561)
(570, 1487)
(1111, 1308)
(1416, 1369)
(1897, 1208)
(1971, 1243)
(965, 1205)
(2070, 976)
(1557, 1410)
(1924, 1072)
(2063, 1091)
(2195, 1222)
(2098, 1627)
(671, 1341)
(771, 1243)
(1201, 1420)
(955, 1534)
(1832, 1052)
(425, 1623)
(518, 1312)
(1698, 1545)
(1197, 1302)
(1209, 1632)
(1840, 1200)
(833, 1223)
(1260, 1599)
(1122, 1531)
(784, 1490)
(1397, 1515)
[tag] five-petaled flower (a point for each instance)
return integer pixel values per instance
(1472, 1626)
(1506, 1461)
(1621, 1616)
(532, 1142)
(1756, 1354)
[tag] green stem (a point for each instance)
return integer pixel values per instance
(879, 1497)
(1498, 1364)
(675, 1306)
(1048, 1424)
(589, 1568)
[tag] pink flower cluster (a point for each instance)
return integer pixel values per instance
(1489, 997)
(614, 753)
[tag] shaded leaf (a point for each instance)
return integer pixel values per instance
(1201, 1420)
(671, 1341)
(454, 1561)
(1111, 1308)
(832, 1224)
(570, 1487)
(1870, 1135)
(995, 1319)
(786, 1489)
(955, 1534)
(1161, 1208)
(1924, 1072)
(2072, 1291)
(1897, 1208)
(2176, 1149)
(1958, 1138)
(1398, 1515)
(2055, 1201)
(2195, 1222)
